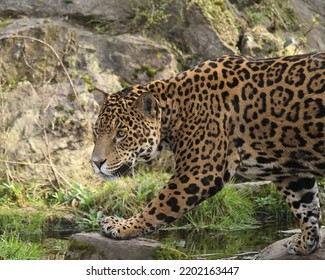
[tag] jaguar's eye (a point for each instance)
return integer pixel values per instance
(120, 134)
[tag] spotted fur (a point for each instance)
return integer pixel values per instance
(262, 119)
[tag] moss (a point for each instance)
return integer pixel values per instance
(221, 19)
(124, 84)
(75, 245)
(59, 107)
(89, 82)
(99, 26)
(5, 22)
(71, 111)
(150, 14)
(145, 68)
(150, 71)
(60, 120)
(79, 250)
(11, 83)
(274, 15)
(54, 248)
(167, 253)
(72, 97)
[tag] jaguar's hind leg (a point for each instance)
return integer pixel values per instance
(302, 197)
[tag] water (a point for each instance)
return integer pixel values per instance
(204, 243)
(216, 244)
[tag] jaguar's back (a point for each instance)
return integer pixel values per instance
(279, 117)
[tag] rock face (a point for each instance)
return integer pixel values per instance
(93, 246)
(258, 42)
(201, 38)
(46, 124)
(277, 251)
(306, 11)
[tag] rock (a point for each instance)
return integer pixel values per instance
(306, 11)
(94, 246)
(61, 225)
(185, 26)
(201, 38)
(244, 3)
(137, 59)
(113, 10)
(277, 251)
(258, 42)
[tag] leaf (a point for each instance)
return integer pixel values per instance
(315, 19)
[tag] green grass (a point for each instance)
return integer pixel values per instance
(21, 234)
(12, 247)
(128, 196)
(228, 210)
(28, 222)
(54, 249)
(29, 212)
(270, 205)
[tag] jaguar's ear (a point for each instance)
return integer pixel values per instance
(100, 96)
(148, 105)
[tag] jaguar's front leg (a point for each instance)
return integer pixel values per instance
(301, 196)
(180, 195)
(156, 214)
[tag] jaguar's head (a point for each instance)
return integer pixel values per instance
(127, 131)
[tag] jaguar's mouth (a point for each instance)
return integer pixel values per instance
(121, 170)
(117, 173)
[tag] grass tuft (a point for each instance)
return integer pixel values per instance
(12, 247)
(230, 209)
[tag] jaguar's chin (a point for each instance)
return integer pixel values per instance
(107, 177)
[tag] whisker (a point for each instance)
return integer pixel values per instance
(134, 170)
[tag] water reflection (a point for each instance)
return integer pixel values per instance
(216, 244)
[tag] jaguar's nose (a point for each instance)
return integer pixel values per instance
(99, 163)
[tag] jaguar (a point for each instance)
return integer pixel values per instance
(260, 119)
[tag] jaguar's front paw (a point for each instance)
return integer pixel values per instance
(109, 227)
(117, 228)
(296, 245)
